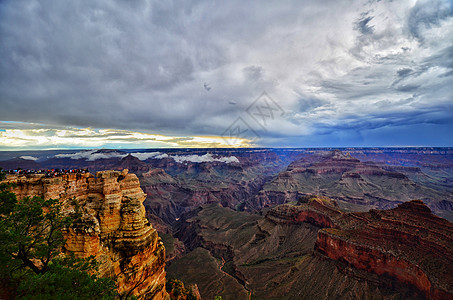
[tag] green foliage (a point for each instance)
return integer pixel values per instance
(67, 278)
(31, 263)
(32, 237)
(177, 290)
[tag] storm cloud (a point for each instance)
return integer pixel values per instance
(345, 73)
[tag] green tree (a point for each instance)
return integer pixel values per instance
(67, 278)
(31, 263)
(177, 290)
(32, 232)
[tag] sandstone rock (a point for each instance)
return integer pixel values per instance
(112, 226)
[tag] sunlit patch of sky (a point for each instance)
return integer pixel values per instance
(87, 138)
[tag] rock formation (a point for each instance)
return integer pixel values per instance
(315, 250)
(357, 185)
(408, 243)
(111, 226)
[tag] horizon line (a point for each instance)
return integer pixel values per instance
(223, 148)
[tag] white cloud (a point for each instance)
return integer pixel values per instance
(91, 155)
(204, 158)
(28, 157)
(78, 155)
(148, 155)
(185, 158)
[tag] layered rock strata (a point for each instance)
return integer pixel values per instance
(110, 224)
(357, 185)
(408, 243)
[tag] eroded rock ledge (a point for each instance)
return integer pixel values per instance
(111, 226)
(407, 243)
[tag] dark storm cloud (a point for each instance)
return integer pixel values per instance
(432, 115)
(143, 65)
(84, 64)
(117, 64)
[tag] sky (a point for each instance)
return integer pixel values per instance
(158, 74)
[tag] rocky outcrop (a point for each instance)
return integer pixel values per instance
(407, 247)
(408, 244)
(111, 225)
(318, 211)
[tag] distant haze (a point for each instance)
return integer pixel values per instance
(154, 74)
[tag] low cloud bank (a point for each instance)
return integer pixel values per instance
(91, 155)
(28, 157)
(148, 155)
(204, 158)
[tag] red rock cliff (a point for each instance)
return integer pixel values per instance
(407, 243)
(113, 226)
(319, 211)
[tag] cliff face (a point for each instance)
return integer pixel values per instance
(407, 243)
(318, 211)
(112, 226)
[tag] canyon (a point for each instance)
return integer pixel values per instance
(250, 179)
(263, 223)
(355, 184)
(314, 250)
